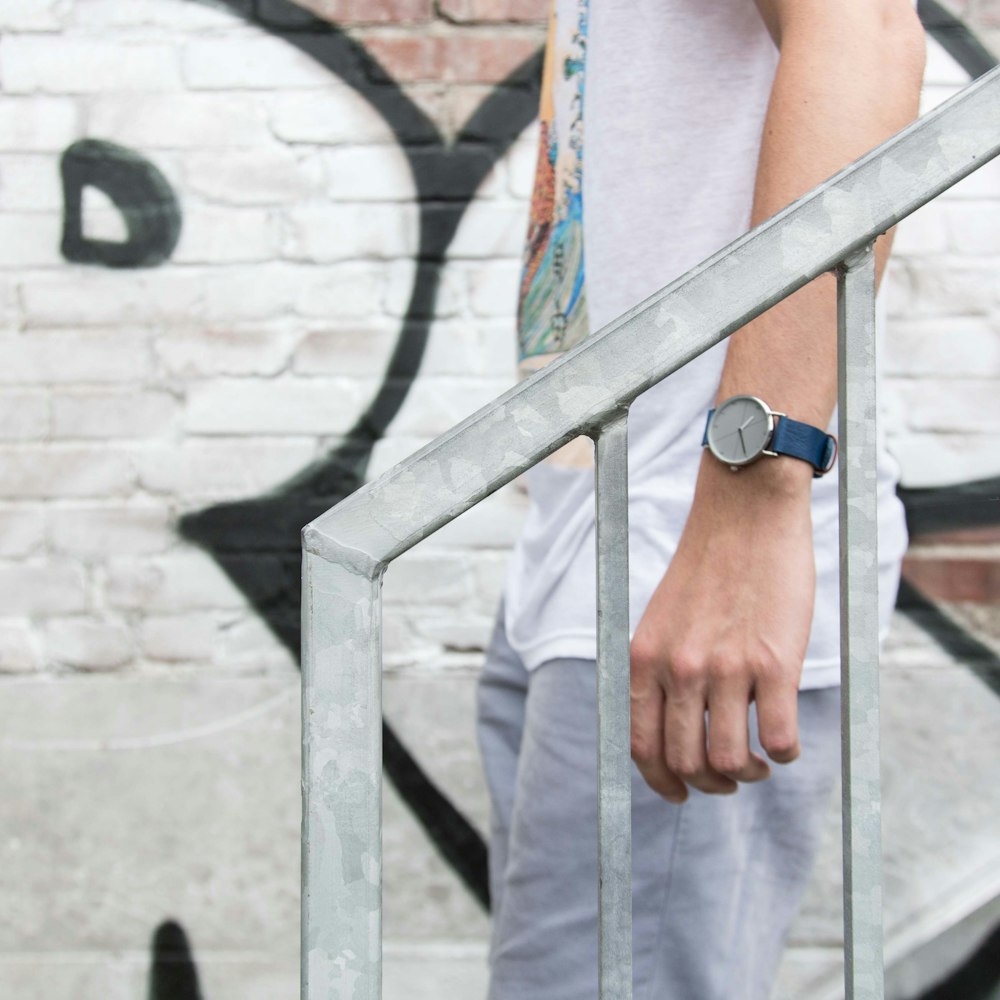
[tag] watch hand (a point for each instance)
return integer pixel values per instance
(749, 420)
(743, 443)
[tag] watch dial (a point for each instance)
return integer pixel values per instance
(739, 430)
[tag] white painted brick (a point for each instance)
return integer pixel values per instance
(289, 406)
(334, 116)
(100, 413)
(75, 297)
(31, 238)
(24, 415)
(44, 471)
(358, 350)
(61, 356)
(61, 64)
(264, 291)
(402, 274)
(435, 405)
(343, 290)
(498, 347)
(269, 175)
(934, 459)
(100, 217)
(489, 571)
(453, 632)
(940, 287)
(92, 532)
(22, 531)
(87, 644)
(458, 347)
(19, 651)
(224, 234)
(941, 347)
(34, 15)
(249, 645)
(185, 580)
(10, 311)
(974, 228)
(522, 161)
(224, 468)
(427, 577)
(53, 586)
(465, 347)
(201, 121)
(368, 173)
(238, 61)
(38, 124)
(224, 350)
(959, 404)
(490, 230)
(493, 288)
(177, 638)
(322, 232)
(154, 13)
(391, 450)
(402, 644)
(29, 183)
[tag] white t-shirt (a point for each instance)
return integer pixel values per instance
(647, 164)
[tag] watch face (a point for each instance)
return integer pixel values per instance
(740, 429)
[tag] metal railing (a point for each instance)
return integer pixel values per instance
(588, 391)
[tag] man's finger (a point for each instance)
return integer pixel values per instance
(647, 740)
(729, 750)
(777, 718)
(684, 734)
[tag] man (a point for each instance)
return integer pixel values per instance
(668, 128)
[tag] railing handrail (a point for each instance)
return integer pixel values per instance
(580, 391)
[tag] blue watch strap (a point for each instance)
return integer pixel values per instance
(708, 420)
(792, 437)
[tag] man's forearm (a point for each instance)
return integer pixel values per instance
(848, 77)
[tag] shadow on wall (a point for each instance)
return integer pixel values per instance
(256, 541)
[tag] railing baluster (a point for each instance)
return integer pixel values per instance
(341, 781)
(862, 797)
(614, 762)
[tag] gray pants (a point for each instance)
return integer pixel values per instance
(715, 881)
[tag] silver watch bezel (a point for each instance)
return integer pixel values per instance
(738, 463)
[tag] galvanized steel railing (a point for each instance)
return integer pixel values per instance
(588, 391)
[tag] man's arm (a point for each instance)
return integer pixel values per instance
(729, 623)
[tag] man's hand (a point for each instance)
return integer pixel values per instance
(728, 624)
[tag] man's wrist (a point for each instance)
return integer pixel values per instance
(772, 480)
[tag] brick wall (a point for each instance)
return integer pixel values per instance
(218, 222)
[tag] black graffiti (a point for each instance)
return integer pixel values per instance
(139, 191)
(173, 974)
(257, 541)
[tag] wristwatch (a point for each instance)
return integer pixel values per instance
(742, 428)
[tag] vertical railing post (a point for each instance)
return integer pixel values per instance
(341, 780)
(862, 799)
(614, 760)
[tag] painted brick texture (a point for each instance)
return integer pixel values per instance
(286, 311)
